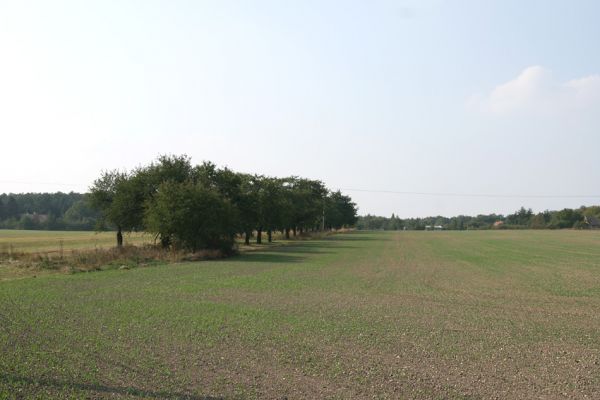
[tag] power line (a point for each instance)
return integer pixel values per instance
(409, 193)
(486, 195)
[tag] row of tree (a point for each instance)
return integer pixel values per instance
(521, 219)
(202, 206)
(48, 211)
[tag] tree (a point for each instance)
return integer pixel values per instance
(340, 211)
(461, 223)
(174, 200)
(191, 216)
(272, 205)
(538, 221)
(521, 218)
(27, 223)
(248, 206)
(242, 190)
(113, 196)
(166, 168)
(565, 218)
(122, 198)
(308, 198)
(81, 214)
(12, 208)
(229, 185)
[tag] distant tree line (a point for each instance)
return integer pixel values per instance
(47, 211)
(202, 206)
(521, 219)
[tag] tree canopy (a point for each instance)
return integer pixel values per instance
(204, 206)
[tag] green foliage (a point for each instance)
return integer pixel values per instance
(112, 195)
(521, 219)
(247, 204)
(124, 201)
(340, 211)
(538, 221)
(592, 211)
(307, 199)
(81, 212)
(191, 216)
(273, 204)
(46, 211)
(204, 206)
(12, 208)
(565, 218)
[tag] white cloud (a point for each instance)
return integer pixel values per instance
(535, 91)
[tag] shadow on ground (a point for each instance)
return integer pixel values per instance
(267, 256)
(355, 236)
(298, 251)
(98, 388)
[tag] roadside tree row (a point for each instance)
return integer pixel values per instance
(203, 206)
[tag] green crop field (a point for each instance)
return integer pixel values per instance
(471, 314)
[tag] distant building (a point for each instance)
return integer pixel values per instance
(592, 222)
(438, 228)
(498, 224)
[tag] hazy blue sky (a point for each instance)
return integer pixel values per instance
(475, 97)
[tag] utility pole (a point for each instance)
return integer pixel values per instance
(323, 223)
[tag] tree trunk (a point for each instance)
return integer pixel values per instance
(294, 230)
(287, 233)
(247, 239)
(259, 236)
(119, 237)
(269, 235)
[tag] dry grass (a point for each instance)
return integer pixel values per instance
(34, 253)
(21, 241)
(21, 264)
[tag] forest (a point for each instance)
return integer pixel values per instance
(520, 219)
(47, 211)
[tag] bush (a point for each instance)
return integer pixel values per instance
(190, 216)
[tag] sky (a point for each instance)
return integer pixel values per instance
(415, 108)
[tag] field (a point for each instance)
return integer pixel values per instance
(54, 241)
(460, 315)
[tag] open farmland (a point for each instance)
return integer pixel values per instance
(466, 314)
(25, 241)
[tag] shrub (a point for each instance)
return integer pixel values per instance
(190, 216)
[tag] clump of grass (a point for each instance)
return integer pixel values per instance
(44, 261)
(9, 254)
